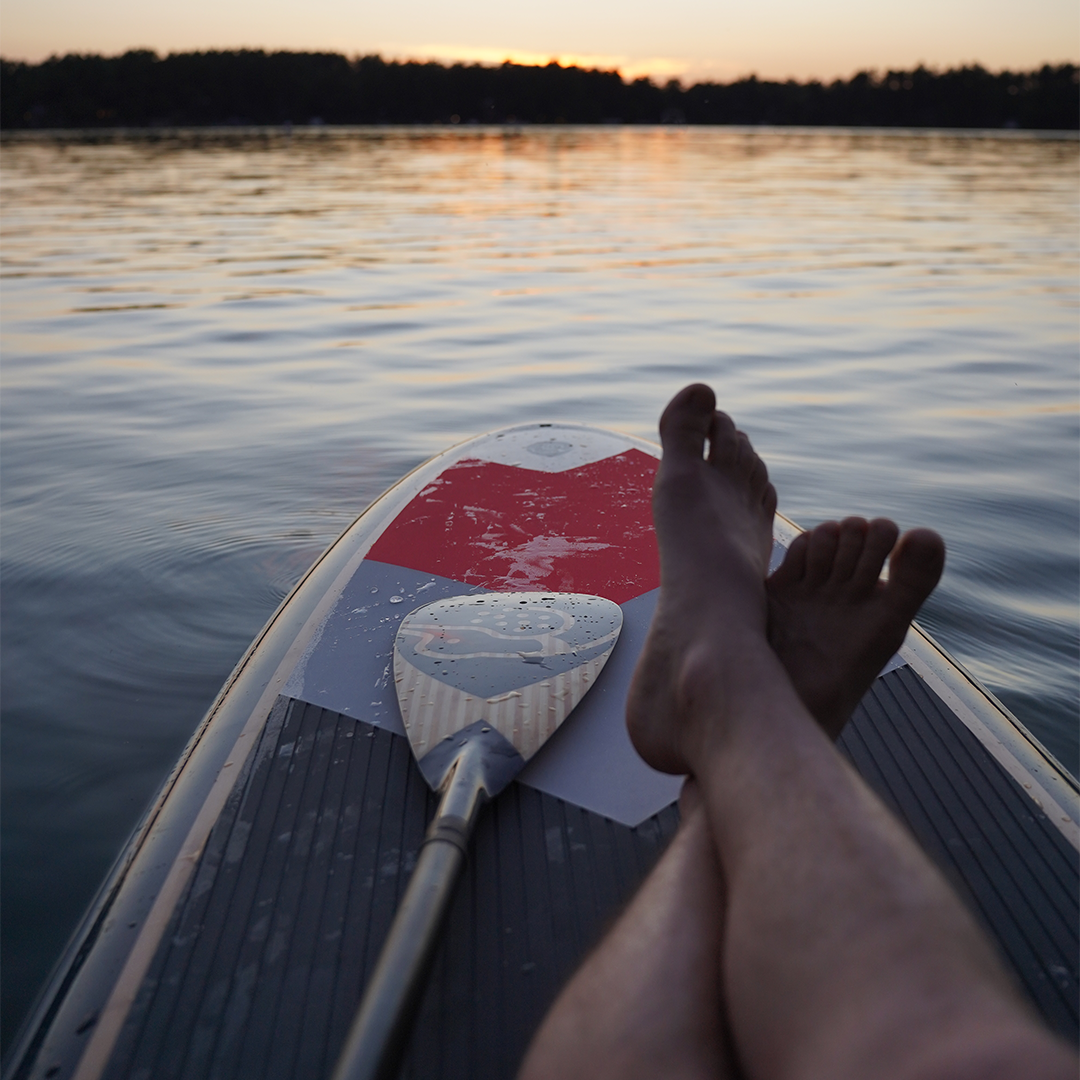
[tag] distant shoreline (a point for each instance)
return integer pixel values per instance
(253, 88)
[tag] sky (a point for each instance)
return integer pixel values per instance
(686, 39)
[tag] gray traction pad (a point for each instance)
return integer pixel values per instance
(261, 969)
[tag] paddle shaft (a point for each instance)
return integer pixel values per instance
(378, 1036)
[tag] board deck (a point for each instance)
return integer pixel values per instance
(233, 937)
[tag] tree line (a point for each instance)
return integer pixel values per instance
(142, 89)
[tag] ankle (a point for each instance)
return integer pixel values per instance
(724, 694)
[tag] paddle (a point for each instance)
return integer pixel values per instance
(483, 682)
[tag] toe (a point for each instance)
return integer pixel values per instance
(915, 567)
(821, 552)
(881, 537)
(725, 441)
(769, 501)
(758, 471)
(792, 570)
(687, 422)
(849, 547)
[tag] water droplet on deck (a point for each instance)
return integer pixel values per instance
(395, 599)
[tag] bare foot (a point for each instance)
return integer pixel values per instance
(833, 622)
(713, 509)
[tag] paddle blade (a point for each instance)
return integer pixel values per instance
(503, 669)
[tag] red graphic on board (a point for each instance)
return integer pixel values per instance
(586, 530)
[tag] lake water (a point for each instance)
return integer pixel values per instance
(219, 346)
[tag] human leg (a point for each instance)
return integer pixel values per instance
(845, 953)
(610, 1020)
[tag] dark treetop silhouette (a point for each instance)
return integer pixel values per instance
(141, 89)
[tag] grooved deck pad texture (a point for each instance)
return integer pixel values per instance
(262, 967)
(261, 970)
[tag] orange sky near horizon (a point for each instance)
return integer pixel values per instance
(686, 39)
